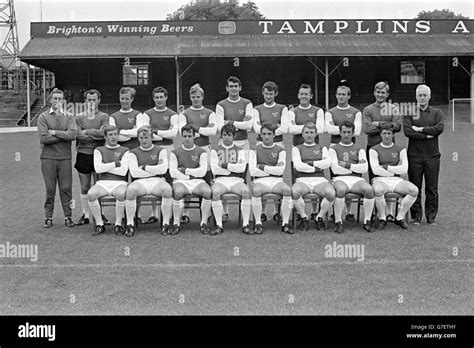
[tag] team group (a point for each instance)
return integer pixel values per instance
(139, 158)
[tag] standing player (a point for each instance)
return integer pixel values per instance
(238, 112)
(188, 165)
(57, 129)
(164, 126)
(423, 153)
(228, 164)
(111, 166)
(204, 122)
(90, 135)
(309, 161)
(348, 163)
(276, 114)
(375, 115)
(127, 119)
(267, 164)
(335, 116)
(389, 161)
(148, 164)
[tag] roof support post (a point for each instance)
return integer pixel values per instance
(28, 106)
(44, 87)
(472, 90)
(326, 78)
(178, 88)
(315, 82)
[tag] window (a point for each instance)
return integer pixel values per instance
(136, 74)
(412, 72)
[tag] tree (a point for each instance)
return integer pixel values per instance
(216, 10)
(440, 14)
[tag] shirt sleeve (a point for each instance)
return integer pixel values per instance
(135, 170)
(329, 123)
(277, 170)
(200, 171)
(375, 165)
(246, 125)
(142, 120)
(174, 172)
(325, 162)
(298, 164)
(256, 121)
(211, 129)
(360, 168)
(99, 165)
(369, 128)
(132, 133)
(162, 166)
(81, 133)
(319, 122)
(241, 164)
(438, 128)
(409, 132)
(253, 169)
(402, 168)
(357, 124)
(219, 117)
(284, 122)
(181, 122)
(293, 128)
(215, 168)
(173, 131)
(98, 134)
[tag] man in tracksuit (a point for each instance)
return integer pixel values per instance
(57, 129)
(422, 131)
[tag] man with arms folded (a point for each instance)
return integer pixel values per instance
(309, 161)
(266, 165)
(348, 163)
(188, 166)
(228, 163)
(389, 161)
(148, 164)
(111, 166)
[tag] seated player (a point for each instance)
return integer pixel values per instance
(148, 164)
(309, 161)
(266, 165)
(228, 164)
(348, 163)
(389, 161)
(188, 166)
(111, 166)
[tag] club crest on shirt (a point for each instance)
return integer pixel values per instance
(349, 115)
(117, 154)
(166, 118)
(194, 158)
(394, 155)
(274, 155)
(353, 153)
(203, 117)
(317, 152)
(275, 114)
(241, 112)
(154, 157)
(131, 120)
(311, 115)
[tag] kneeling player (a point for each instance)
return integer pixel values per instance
(309, 161)
(111, 166)
(348, 163)
(388, 161)
(148, 165)
(188, 166)
(227, 164)
(267, 163)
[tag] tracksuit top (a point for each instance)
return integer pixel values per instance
(308, 155)
(235, 111)
(160, 120)
(375, 113)
(339, 116)
(390, 156)
(268, 156)
(303, 116)
(66, 124)
(348, 154)
(111, 155)
(198, 119)
(272, 115)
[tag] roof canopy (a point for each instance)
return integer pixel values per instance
(161, 39)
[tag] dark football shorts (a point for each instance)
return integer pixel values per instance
(84, 163)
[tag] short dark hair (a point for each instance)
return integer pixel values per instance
(386, 126)
(228, 128)
(306, 85)
(159, 90)
(188, 128)
(347, 124)
(269, 126)
(233, 79)
(271, 86)
(92, 92)
(145, 129)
